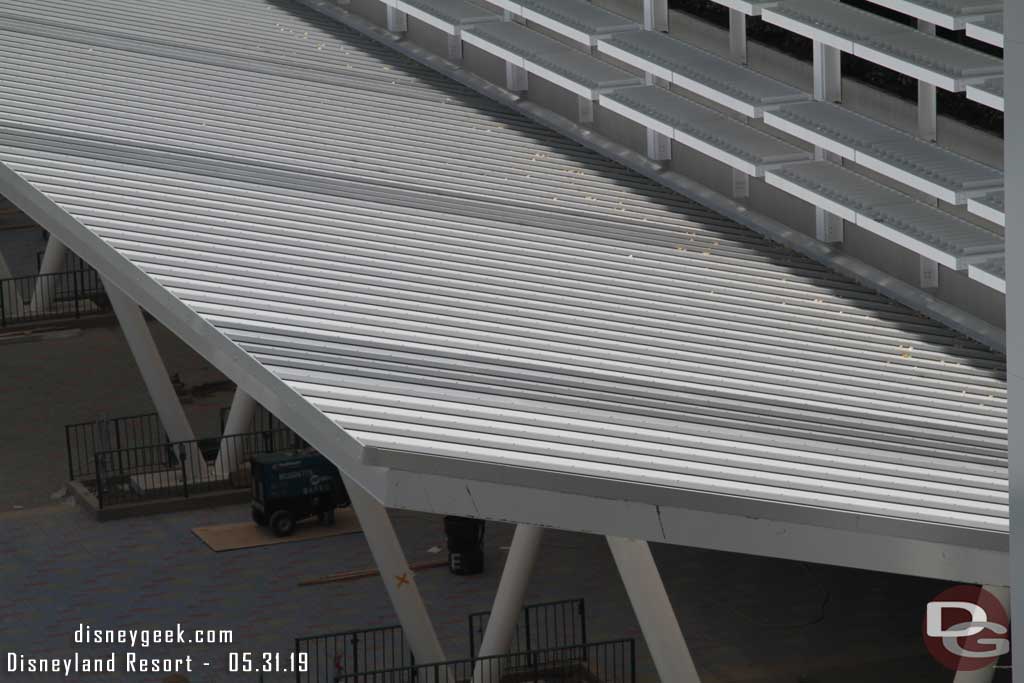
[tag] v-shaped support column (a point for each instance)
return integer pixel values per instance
(147, 357)
(399, 580)
(653, 610)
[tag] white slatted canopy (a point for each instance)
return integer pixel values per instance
(433, 289)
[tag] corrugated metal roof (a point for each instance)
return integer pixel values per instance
(444, 277)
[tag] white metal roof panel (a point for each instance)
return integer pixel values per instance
(951, 14)
(885, 42)
(579, 20)
(957, 243)
(832, 23)
(450, 283)
(900, 156)
(750, 7)
(512, 42)
(580, 73)
(719, 80)
(991, 273)
(730, 141)
(988, 92)
(446, 15)
(834, 188)
(988, 29)
(991, 206)
(923, 229)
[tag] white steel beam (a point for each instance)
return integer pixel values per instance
(927, 107)
(508, 602)
(738, 51)
(1013, 153)
(151, 366)
(53, 261)
(396, 20)
(828, 87)
(653, 610)
(656, 15)
(399, 579)
(239, 421)
(738, 36)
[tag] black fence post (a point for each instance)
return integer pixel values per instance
(99, 480)
(75, 289)
(184, 471)
(67, 445)
(583, 622)
(3, 305)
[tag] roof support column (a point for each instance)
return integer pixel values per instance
(515, 78)
(738, 51)
(653, 610)
(397, 20)
(151, 366)
(399, 580)
(985, 675)
(927, 109)
(508, 602)
(658, 146)
(1013, 153)
(828, 87)
(53, 261)
(656, 15)
(240, 415)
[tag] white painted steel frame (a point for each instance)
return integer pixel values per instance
(632, 509)
(887, 43)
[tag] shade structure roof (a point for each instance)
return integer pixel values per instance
(442, 288)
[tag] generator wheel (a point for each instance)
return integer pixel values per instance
(259, 517)
(326, 517)
(282, 523)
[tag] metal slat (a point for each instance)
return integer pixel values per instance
(453, 281)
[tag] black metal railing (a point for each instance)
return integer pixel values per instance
(68, 294)
(607, 662)
(334, 655)
(262, 420)
(72, 261)
(183, 468)
(85, 439)
(541, 626)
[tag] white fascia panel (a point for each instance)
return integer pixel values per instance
(985, 34)
(716, 96)
(985, 211)
(916, 246)
(425, 17)
(986, 278)
(557, 26)
(637, 116)
(906, 68)
(629, 58)
(811, 32)
(488, 46)
(752, 9)
(985, 97)
(917, 182)
(558, 79)
(812, 198)
(932, 16)
(715, 153)
(809, 136)
(509, 5)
